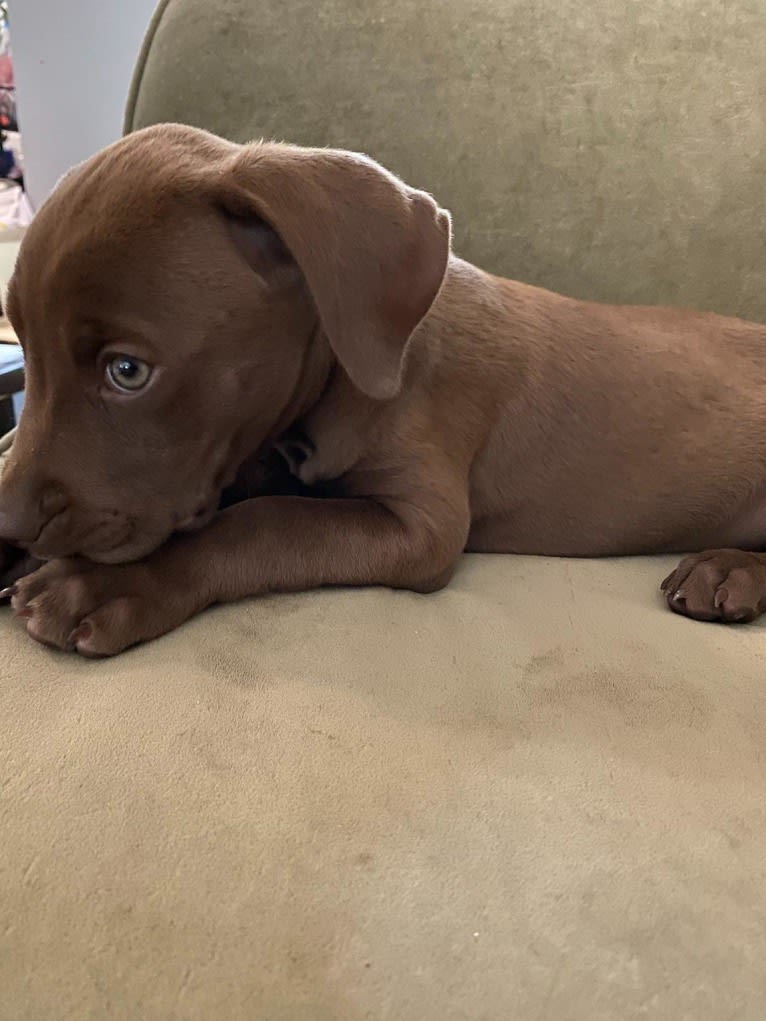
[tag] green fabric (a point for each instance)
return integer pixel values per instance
(613, 149)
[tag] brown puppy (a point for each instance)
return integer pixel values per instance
(196, 314)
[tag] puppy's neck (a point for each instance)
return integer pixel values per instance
(312, 382)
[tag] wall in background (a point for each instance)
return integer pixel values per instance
(73, 64)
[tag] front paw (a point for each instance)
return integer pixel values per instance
(96, 609)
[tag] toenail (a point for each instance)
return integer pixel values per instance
(84, 631)
(720, 597)
(10, 592)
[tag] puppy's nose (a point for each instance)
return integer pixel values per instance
(22, 519)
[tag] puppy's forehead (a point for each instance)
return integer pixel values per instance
(104, 236)
(93, 208)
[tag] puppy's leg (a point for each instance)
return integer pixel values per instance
(269, 544)
(726, 585)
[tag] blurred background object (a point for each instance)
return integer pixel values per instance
(7, 87)
(15, 209)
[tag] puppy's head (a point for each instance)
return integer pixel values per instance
(174, 297)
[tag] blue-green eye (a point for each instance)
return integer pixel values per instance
(128, 374)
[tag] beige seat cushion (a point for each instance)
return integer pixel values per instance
(535, 794)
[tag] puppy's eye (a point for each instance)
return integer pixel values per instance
(128, 374)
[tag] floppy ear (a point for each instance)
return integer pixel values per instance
(372, 251)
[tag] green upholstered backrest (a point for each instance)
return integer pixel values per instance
(613, 149)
